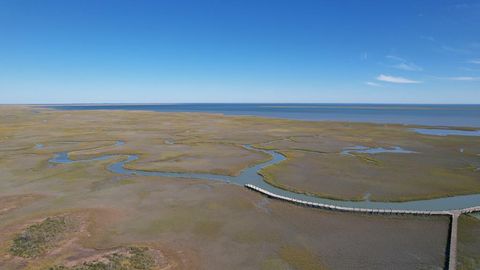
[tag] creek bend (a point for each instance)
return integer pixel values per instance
(251, 176)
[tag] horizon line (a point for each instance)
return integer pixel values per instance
(233, 103)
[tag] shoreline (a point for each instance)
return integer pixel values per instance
(265, 115)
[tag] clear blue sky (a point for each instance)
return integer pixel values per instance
(239, 51)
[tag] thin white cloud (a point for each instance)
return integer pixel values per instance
(374, 84)
(458, 78)
(455, 50)
(470, 69)
(395, 58)
(474, 61)
(393, 79)
(463, 78)
(403, 64)
(408, 67)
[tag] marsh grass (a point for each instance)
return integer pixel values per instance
(468, 242)
(367, 159)
(272, 180)
(471, 168)
(183, 221)
(255, 237)
(208, 228)
(300, 258)
(274, 264)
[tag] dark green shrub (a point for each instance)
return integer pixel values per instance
(38, 237)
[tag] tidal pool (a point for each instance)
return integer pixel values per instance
(39, 146)
(63, 158)
(251, 175)
(375, 150)
(119, 143)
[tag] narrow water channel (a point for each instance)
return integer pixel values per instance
(251, 176)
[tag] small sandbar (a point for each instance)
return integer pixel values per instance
(446, 132)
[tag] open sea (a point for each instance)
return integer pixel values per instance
(431, 115)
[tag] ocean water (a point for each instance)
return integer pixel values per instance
(447, 132)
(431, 115)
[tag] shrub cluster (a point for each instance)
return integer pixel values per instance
(137, 258)
(37, 238)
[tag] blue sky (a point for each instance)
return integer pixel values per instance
(239, 51)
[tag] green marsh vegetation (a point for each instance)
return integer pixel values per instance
(442, 166)
(134, 258)
(300, 258)
(36, 239)
(468, 242)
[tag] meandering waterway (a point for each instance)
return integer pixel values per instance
(251, 176)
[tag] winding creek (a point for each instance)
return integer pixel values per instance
(251, 177)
